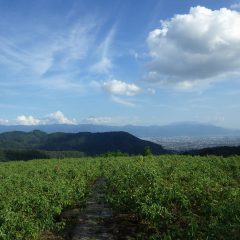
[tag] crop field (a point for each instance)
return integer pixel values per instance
(180, 197)
(34, 193)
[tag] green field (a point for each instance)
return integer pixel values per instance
(180, 197)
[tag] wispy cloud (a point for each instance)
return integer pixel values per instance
(104, 65)
(61, 82)
(122, 101)
(121, 92)
(116, 120)
(235, 6)
(55, 61)
(99, 120)
(72, 46)
(4, 121)
(19, 60)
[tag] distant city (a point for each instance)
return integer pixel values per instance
(192, 143)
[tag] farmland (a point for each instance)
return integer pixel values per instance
(180, 197)
(34, 193)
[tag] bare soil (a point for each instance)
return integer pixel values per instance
(98, 221)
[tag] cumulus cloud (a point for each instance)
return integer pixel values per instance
(58, 117)
(117, 87)
(53, 118)
(200, 47)
(28, 120)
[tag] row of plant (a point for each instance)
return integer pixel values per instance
(34, 193)
(181, 197)
(20, 155)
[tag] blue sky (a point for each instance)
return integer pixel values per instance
(120, 62)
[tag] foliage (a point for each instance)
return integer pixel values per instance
(115, 154)
(225, 151)
(147, 151)
(34, 193)
(13, 155)
(182, 197)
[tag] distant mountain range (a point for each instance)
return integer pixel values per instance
(224, 151)
(173, 130)
(88, 143)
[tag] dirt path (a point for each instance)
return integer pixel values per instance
(98, 221)
(91, 223)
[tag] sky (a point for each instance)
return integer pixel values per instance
(117, 62)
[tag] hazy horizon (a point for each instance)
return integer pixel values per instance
(52, 122)
(145, 63)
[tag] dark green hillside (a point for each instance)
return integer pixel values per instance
(89, 143)
(18, 140)
(217, 151)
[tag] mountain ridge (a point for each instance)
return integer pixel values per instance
(89, 143)
(171, 130)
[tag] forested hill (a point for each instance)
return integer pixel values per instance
(224, 151)
(89, 143)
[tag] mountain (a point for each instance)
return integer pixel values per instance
(190, 129)
(89, 143)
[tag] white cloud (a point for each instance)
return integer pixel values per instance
(58, 117)
(28, 120)
(53, 118)
(104, 65)
(117, 87)
(196, 48)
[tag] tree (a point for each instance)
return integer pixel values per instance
(147, 151)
